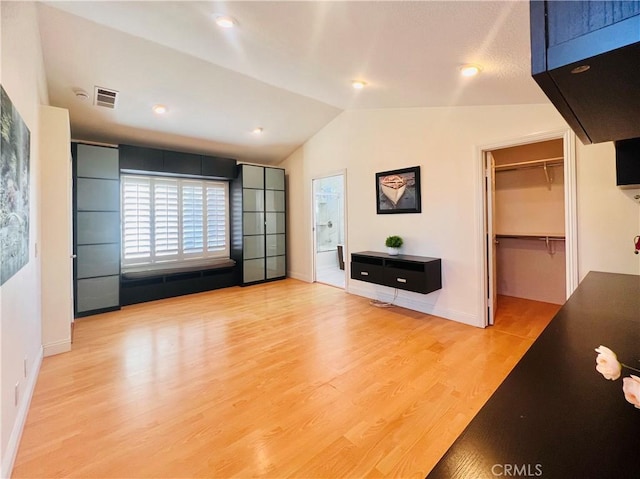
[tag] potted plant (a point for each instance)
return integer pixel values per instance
(393, 244)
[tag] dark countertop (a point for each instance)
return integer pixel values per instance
(555, 416)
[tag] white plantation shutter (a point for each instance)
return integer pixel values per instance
(136, 218)
(170, 220)
(166, 219)
(217, 217)
(192, 218)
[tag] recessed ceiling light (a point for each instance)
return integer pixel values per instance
(225, 21)
(257, 131)
(469, 70)
(358, 84)
(160, 109)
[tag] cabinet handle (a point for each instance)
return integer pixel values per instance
(364, 273)
(401, 280)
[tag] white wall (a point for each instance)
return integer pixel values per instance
(609, 216)
(56, 230)
(299, 218)
(444, 142)
(23, 79)
(526, 269)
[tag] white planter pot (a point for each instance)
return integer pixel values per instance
(393, 251)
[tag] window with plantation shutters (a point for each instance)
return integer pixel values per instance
(136, 218)
(217, 206)
(192, 218)
(166, 221)
(173, 220)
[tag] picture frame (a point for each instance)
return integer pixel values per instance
(398, 191)
(15, 151)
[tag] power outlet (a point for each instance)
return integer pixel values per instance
(16, 395)
(25, 366)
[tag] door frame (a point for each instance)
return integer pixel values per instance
(490, 214)
(570, 218)
(343, 173)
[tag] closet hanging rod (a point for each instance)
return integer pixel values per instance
(532, 237)
(557, 161)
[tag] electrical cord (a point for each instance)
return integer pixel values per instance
(384, 304)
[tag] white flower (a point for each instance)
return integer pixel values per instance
(607, 363)
(631, 388)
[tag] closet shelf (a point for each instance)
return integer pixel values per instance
(542, 163)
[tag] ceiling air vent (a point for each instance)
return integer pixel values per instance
(106, 98)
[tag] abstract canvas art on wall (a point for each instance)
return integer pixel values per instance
(14, 190)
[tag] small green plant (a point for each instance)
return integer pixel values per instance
(393, 242)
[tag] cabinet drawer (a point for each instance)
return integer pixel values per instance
(405, 279)
(371, 273)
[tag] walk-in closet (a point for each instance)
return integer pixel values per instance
(529, 222)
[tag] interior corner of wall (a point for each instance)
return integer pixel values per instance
(57, 347)
(11, 451)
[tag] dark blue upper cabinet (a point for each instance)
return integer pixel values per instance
(139, 158)
(182, 163)
(143, 159)
(585, 56)
(219, 167)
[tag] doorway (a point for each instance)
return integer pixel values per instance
(529, 221)
(329, 230)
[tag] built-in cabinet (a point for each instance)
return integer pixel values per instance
(628, 163)
(256, 218)
(584, 56)
(96, 228)
(263, 223)
(141, 159)
(137, 287)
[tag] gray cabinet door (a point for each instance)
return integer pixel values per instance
(97, 162)
(253, 177)
(274, 179)
(264, 228)
(96, 239)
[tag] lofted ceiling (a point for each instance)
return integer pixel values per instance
(286, 67)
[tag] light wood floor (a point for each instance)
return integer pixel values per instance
(284, 379)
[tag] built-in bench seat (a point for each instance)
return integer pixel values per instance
(139, 285)
(152, 273)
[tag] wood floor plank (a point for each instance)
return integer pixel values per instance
(284, 379)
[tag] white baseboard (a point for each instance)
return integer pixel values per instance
(415, 304)
(57, 347)
(301, 277)
(18, 426)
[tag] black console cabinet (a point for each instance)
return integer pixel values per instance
(412, 273)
